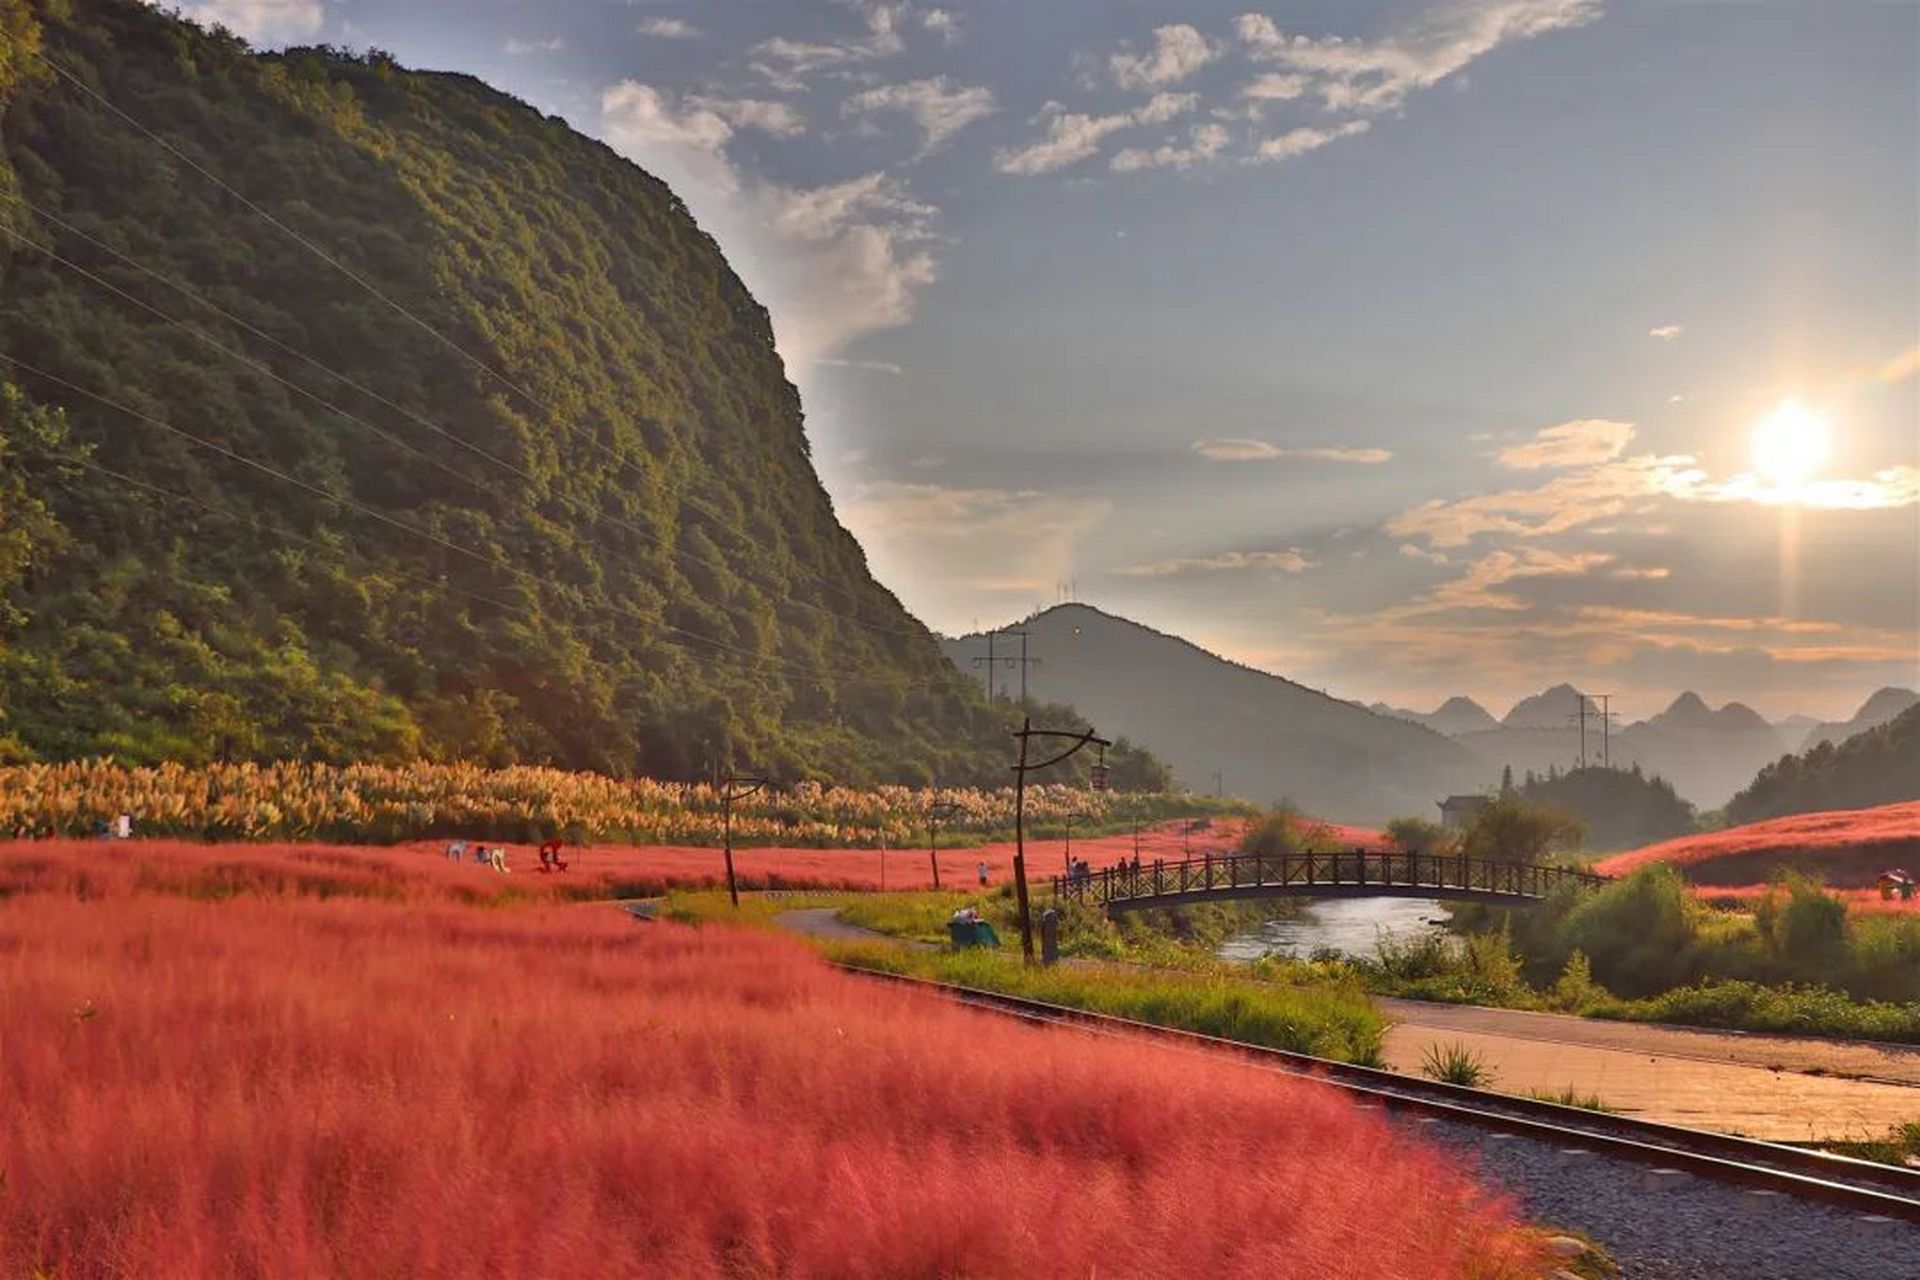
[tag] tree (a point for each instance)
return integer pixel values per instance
(1509, 828)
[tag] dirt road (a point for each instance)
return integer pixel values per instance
(1780, 1087)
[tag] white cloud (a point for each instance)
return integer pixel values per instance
(1571, 444)
(1275, 86)
(663, 28)
(787, 63)
(929, 533)
(1373, 76)
(1666, 332)
(1298, 142)
(941, 23)
(830, 263)
(1242, 450)
(1178, 51)
(1205, 141)
(1071, 137)
(518, 47)
(261, 21)
(866, 366)
(776, 118)
(937, 105)
(1285, 560)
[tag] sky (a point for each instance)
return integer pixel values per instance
(1404, 348)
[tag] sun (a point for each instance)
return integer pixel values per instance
(1790, 445)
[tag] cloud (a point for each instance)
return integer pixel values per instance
(1241, 450)
(1298, 142)
(937, 105)
(1071, 137)
(776, 118)
(865, 366)
(518, 47)
(1205, 141)
(982, 545)
(1178, 51)
(1568, 501)
(1285, 560)
(668, 29)
(1374, 76)
(260, 21)
(941, 23)
(1571, 444)
(1275, 86)
(1901, 367)
(787, 63)
(1666, 332)
(830, 263)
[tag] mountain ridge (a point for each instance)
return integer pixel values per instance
(551, 500)
(1266, 735)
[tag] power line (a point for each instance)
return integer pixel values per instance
(557, 419)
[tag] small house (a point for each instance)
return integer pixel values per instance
(1457, 811)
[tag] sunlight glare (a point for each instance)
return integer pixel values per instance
(1790, 445)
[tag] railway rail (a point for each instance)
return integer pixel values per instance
(1881, 1191)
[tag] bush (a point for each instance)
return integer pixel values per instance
(1455, 1064)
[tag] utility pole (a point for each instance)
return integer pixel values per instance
(1219, 787)
(936, 810)
(736, 788)
(988, 662)
(1606, 729)
(1022, 767)
(1024, 662)
(1069, 853)
(1581, 716)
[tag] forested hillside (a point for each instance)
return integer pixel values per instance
(522, 478)
(1880, 766)
(1620, 808)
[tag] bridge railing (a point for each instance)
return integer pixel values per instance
(1355, 868)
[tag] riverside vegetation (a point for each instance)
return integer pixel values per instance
(1647, 948)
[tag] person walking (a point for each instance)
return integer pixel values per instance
(983, 875)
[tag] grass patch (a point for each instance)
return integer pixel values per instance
(1571, 1097)
(1455, 1064)
(1899, 1146)
(1327, 1019)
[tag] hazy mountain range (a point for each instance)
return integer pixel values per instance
(1265, 737)
(1707, 753)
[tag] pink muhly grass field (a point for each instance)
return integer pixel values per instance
(1846, 847)
(402, 1083)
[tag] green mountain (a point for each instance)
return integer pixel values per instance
(1880, 766)
(521, 478)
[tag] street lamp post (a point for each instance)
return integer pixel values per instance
(1025, 765)
(734, 788)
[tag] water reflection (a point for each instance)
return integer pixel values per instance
(1351, 925)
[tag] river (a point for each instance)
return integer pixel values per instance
(1352, 925)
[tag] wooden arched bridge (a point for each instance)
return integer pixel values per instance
(1355, 873)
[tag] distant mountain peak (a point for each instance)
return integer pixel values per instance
(1548, 709)
(1688, 704)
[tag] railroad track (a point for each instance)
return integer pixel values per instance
(1857, 1185)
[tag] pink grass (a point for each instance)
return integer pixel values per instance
(409, 1084)
(1846, 847)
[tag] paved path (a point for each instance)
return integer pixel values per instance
(825, 922)
(1755, 1085)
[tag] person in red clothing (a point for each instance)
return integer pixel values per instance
(550, 856)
